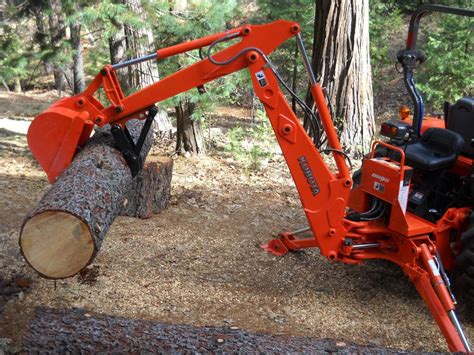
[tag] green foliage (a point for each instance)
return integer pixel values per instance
(218, 93)
(446, 39)
(201, 18)
(96, 57)
(301, 11)
(14, 59)
(385, 20)
(448, 72)
(250, 146)
(107, 14)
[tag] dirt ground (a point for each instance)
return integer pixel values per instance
(200, 263)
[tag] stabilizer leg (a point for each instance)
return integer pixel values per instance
(432, 287)
(287, 241)
(426, 291)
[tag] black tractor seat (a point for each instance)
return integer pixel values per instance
(437, 148)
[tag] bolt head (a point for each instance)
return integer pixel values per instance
(295, 28)
(246, 31)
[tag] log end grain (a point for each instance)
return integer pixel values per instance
(56, 244)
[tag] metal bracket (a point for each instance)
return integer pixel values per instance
(131, 150)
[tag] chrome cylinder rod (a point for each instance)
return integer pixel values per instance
(133, 61)
(445, 277)
(299, 231)
(458, 327)
(365, 246)
(306, 61)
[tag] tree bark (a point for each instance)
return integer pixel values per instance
(151, 190)
(64, 232)
(117, 52)
(136, 42)
(140, 43)
(189, 135)
(341, 60)
(17, 85)
(78, 64)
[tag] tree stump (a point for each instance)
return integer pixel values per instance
(151, 189)
(64, 231)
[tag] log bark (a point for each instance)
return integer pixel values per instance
(151, 189)
(64, 231)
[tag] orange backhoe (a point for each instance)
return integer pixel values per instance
(411, 202)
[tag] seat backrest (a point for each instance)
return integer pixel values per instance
(442, 141)
(461, 120)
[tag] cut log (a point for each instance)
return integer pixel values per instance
(151, 189)
(63, 233)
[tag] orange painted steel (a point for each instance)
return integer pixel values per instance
(328, 125)
(403, 238)
(201, 42)
(428, 122)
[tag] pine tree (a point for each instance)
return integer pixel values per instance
(183, 21)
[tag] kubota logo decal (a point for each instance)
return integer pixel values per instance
(308, 173)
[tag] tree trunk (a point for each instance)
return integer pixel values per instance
(41, 35)
(57, 31)
(64, 232)
(341, 60)
(78, 65)
(140, 43)
(4, 83)
(137, 42)
(17, 85)
(189, 136)
(117, 52)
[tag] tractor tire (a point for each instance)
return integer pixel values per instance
(465, 259)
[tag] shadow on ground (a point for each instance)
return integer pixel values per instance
(77, 331)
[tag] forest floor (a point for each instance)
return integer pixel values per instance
(199, 262)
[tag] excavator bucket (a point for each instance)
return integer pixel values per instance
(54, 135)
